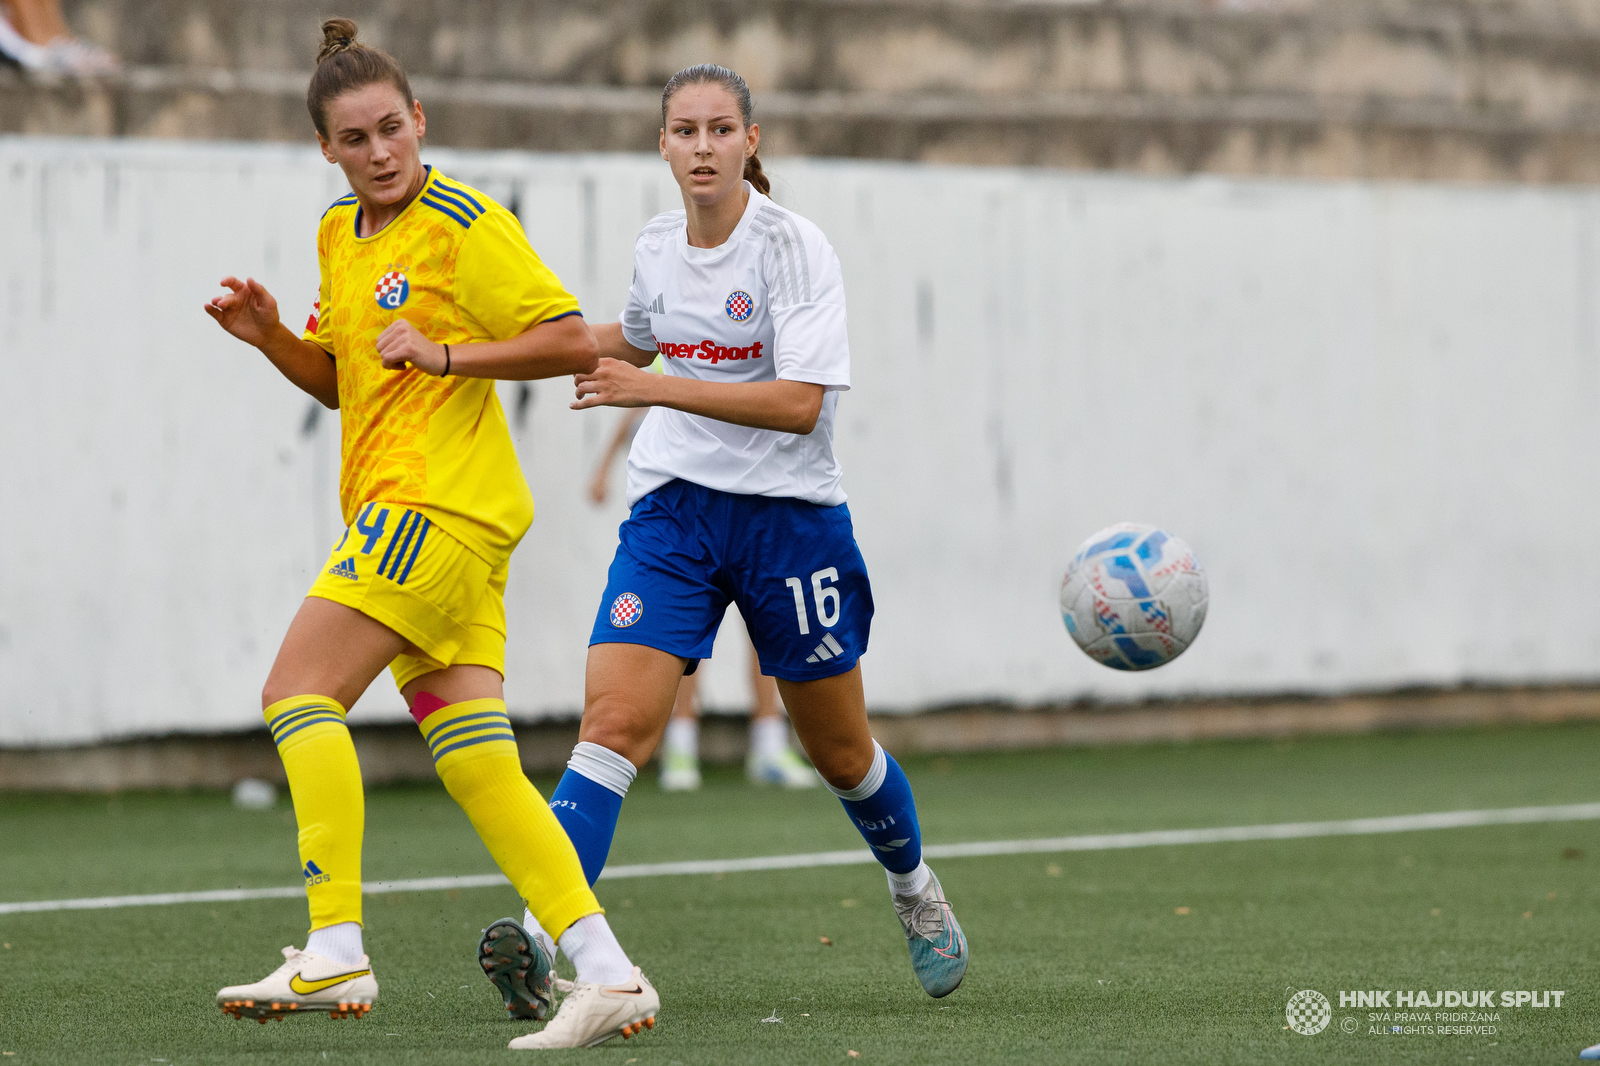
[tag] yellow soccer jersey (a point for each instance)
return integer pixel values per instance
(458, 267)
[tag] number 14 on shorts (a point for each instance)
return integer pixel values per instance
(823, 592)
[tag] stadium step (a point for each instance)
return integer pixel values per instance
(1313, 87)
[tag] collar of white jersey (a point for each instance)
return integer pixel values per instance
(708, 256)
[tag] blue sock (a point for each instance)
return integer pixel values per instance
(885, 814)
(588, 801)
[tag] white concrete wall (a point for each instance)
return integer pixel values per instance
(1369, 408)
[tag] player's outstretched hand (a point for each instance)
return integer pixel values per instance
(402, 345)
(247, 310)
(614, 384)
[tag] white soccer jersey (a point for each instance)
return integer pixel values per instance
(767, 304)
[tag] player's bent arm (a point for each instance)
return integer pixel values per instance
(614, 345)
(550, 349)
(311, 369)
(783, 406)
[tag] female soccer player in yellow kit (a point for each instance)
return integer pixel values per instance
(429, 291)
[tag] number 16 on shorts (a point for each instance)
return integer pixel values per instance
(823, 592)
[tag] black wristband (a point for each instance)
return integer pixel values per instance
(446, 372)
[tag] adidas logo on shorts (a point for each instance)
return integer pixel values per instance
(345, 569)
(826, 650)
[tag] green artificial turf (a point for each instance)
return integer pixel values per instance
(1083, 957)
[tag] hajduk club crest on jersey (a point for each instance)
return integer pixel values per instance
(392, 290)
(739, 305)
(625, 610)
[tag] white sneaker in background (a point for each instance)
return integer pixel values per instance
(592, 1014)
(680, 771)
(305, 982)
(20, 50)
(784, 767)
(69, 55)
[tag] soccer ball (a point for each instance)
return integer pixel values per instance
(1134, 598)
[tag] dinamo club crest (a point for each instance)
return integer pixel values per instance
(392, 290)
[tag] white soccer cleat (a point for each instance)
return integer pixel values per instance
(592, 1014)
(680, 771)
(305, 982)
(784, 768)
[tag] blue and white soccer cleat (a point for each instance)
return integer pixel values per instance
(520, 968)
(938, 947)
(1590, 1052)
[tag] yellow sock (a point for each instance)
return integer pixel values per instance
(475, 753)
(325, 781)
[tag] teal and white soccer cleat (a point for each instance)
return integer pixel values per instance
(592, 1014)
(305, 983)
(1590, 1052)
(680, 771)
(938, 947)
(784, 768)
(520, 967)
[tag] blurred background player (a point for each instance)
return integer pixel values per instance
(435, 503)
(770, 760)
(737, 496)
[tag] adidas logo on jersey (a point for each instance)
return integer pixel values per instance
(658, 306)
(345, 569)
(826, 650)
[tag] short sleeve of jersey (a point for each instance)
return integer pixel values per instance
(317, 331)
(805, 293)
(501, 284)
(636, 315)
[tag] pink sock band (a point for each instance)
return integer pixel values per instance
(425, 704)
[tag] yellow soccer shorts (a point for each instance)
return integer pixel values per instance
(395, 566)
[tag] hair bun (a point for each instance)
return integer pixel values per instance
(338, 35)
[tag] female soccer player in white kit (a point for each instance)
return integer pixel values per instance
(736, 496)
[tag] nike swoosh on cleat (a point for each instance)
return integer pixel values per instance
(306, 988)
(636, 990)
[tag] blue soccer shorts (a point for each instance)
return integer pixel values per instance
(793, 568)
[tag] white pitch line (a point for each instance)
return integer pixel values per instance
(1404, 823)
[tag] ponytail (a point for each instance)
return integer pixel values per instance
(756, 176)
